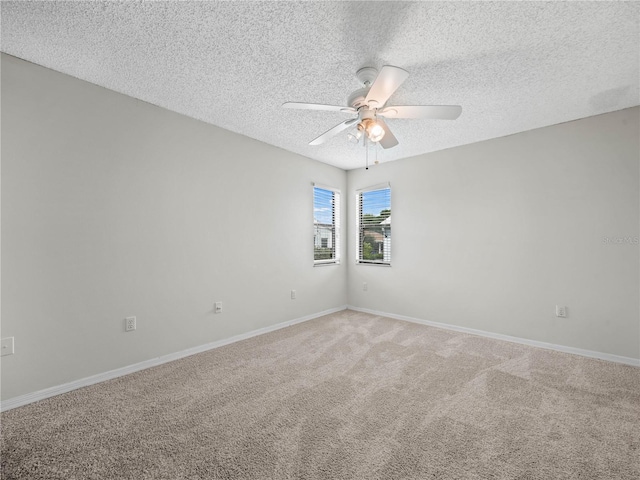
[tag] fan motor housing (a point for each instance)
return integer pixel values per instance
(356, 99)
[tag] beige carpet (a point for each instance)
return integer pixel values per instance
(346, 396)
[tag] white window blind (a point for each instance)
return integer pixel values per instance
(374, 226)
(326, 225)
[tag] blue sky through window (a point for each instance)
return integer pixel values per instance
(322, 205)
(374, 201)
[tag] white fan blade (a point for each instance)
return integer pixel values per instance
(333, 132)
(389, 140)
(387, 82)
(441, 112)
(319, 106)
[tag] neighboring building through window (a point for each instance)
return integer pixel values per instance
(374, 226)
(326, 225)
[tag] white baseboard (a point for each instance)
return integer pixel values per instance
(119, 372)
(524, 341)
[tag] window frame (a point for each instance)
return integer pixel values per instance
(359, 227)
(335, 225)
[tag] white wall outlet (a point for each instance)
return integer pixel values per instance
(293, 294)
(6, 347)
(561, 311)
(217, 307)
(365, 287)
(129, 324)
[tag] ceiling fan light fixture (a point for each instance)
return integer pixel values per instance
(373, 129)
(368, 106)
(355, 135)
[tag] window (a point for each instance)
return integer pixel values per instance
(326, 225)
(374, 225)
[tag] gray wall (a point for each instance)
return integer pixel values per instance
(493, 235)
(112, 207)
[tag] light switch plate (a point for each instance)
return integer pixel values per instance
(6, 347)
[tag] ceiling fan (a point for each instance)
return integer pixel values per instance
(369, 104)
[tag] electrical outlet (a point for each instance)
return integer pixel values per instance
(365, 287)
(129, 324)
(6, 347)
(561, 311)
(218, 307)
(293, 294)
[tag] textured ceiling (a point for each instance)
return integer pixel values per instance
(513, 66)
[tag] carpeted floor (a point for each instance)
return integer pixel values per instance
(346, 396)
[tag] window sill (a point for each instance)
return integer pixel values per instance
(374, 264)
(325, 264)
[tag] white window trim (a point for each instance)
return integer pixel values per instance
(337, 226)
(380, 186)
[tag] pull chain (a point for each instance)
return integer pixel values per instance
(366, 145)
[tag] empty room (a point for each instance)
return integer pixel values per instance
(320, 240)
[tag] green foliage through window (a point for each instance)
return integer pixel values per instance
(374, 226)
(326, 225)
